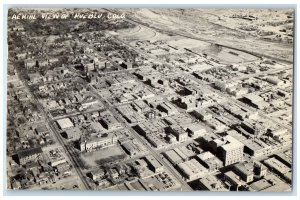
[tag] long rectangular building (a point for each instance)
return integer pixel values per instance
(94, 143)
(28, 155)
(154, 164)
(192, 169)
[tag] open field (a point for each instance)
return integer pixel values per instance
(93, 158)
(200, 23)
(137, 33)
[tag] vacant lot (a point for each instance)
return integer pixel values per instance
(94, 158)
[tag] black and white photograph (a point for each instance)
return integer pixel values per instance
(150, 99)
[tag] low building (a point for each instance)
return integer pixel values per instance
(63, 169)
(33, 167)
(254, 147)
(94, 143)
(171, 138)
(154, 164)
(277, 166)
(146, 128)
(89, 103)
(274, 80)
(285, 159)
(72, 133)
(167, 108)
(202, 114)
(140, 166)
(96, 174)
(109, 121)
(253, 127)
(130, 147)
(29, 155)
(189, 102)
(216, 125)
(179, 133)
(154, 140)
(57, 161)
(270, 183)
(255, 101)
(278, 134)
(212, 183)
(222, 85)
(16, 185)
(42, 130)
(210, 161)
(113, 173)
(64, 123)
(192, 169)
(173, 157)
(34, 78)
(233, 180)
(195, 130)
(126, 65)
(245, 171)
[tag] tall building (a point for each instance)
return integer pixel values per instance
(229, 150)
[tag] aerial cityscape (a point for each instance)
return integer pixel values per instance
(150, 99)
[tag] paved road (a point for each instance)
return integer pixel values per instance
(185, 186)
(58, 137)
(155, 153)
(243, 105)
(229, 98)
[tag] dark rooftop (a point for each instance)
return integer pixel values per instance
(29, 152)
